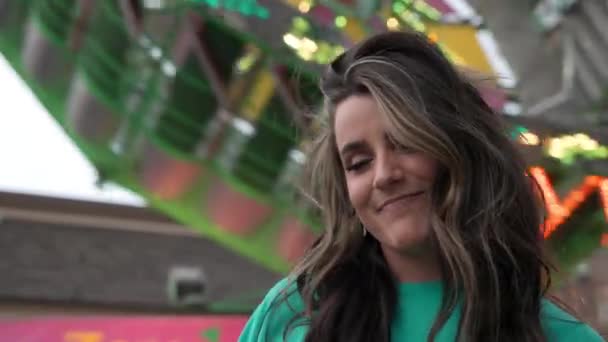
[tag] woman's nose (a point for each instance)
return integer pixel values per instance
(387, 170)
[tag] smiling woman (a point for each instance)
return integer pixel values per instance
(431, 220)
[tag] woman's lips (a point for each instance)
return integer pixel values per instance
(397, 199)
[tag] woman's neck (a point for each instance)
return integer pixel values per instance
(412, 267)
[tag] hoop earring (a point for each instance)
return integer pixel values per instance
(364, 230)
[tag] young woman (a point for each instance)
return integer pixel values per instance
(432, 223)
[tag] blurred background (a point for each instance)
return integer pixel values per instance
(149, 149)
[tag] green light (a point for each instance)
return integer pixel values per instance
(420, 6)
(398, 7)
(413, 20)
(420, 27)
(246, 62)
(244, 7)
(340, 21)
(517, 131)
(427, 10)
(212, 3)
(434, 14)
(300, 26)
(262, 13)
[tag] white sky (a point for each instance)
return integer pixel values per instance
(37, 157)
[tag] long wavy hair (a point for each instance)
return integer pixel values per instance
(486, 215)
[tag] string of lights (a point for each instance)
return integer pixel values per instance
(566, 148)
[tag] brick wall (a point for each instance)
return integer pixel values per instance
(111, 267)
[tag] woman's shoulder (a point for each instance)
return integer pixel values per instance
(284, 294)
(279, 310)
(560, 326)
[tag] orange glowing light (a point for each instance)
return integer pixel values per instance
(604, 242)
(560, 210)
(604, 196)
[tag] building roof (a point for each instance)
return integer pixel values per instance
(84, 253)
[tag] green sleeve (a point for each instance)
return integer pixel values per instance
(254, 327)
(580, 332)
(270, 319)
(257, 325)
(560, 326)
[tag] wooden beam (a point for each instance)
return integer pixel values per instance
(196, 24)
(287, 97)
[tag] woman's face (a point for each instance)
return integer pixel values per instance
(389, 186)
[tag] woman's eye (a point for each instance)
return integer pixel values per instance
(358, 165)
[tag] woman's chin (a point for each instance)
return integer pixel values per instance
(407, 242)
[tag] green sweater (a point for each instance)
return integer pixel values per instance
(412, 322)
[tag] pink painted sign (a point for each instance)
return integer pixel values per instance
(123, 329)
